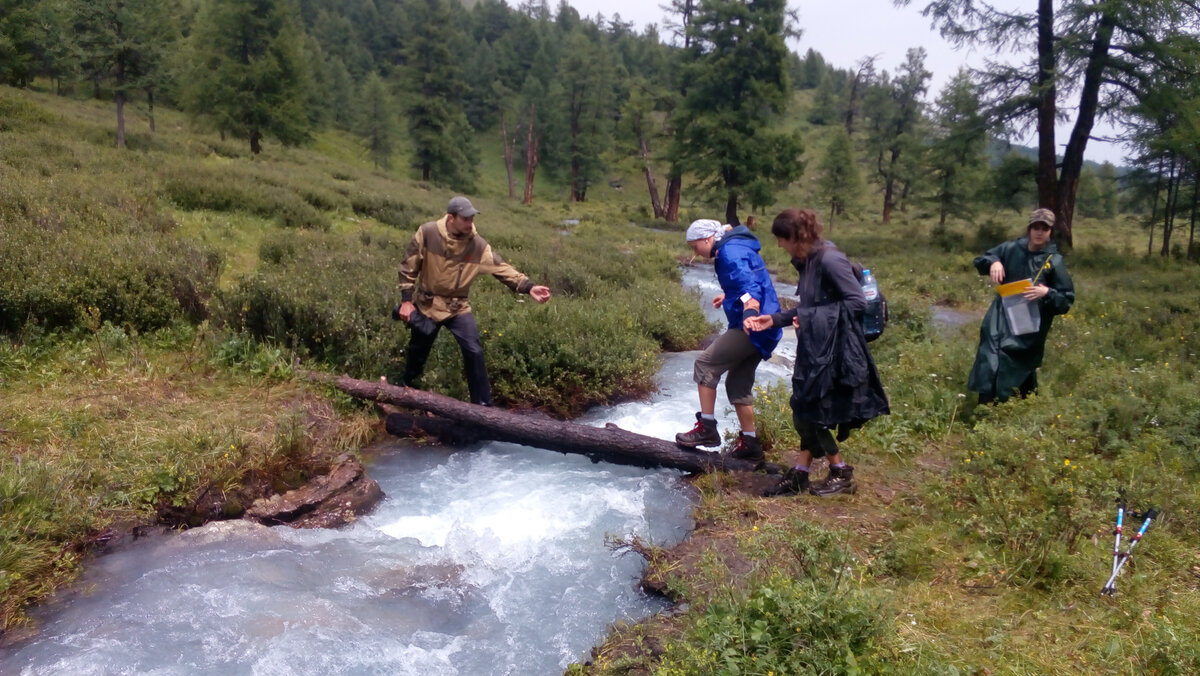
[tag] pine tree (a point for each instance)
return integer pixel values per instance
(248, 74)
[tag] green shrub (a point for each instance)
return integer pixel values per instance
(387, 209)
(234, 188)
(784, 626)
(92, 246)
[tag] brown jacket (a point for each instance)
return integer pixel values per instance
(438, 269)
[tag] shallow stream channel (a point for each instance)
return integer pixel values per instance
(487, 559)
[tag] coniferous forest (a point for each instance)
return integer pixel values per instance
(200, 199)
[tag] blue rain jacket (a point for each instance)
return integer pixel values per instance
(740, 270)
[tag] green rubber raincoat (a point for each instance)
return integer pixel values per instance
(1005, 361)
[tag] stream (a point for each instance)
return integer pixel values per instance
(486, 559)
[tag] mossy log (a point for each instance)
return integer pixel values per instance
(471, 422)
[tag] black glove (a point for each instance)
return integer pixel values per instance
(396, 313)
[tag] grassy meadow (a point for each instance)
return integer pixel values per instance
(155, 304)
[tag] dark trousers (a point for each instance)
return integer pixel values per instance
(466, 332)
(814, 438)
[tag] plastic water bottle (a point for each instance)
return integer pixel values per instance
(873, 315)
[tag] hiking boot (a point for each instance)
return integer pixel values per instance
(793, 482)
(748, 449)
(703, 434)
(840, 480)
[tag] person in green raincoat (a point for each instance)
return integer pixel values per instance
(1007, 361)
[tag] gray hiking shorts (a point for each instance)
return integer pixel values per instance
(731, 353)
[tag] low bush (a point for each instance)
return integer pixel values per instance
(235, 188)
(386, 209)
(62, 252)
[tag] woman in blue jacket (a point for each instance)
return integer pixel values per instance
(747, 290)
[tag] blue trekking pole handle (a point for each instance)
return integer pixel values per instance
(1110, 587)
(1117, 533)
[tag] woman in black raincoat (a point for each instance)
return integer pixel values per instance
(1008, 359)
(835, 386)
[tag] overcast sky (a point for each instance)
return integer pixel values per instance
(845, 31)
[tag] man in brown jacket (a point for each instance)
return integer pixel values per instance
(441, 261)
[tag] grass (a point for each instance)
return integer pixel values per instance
(980, 537)
(978, 541)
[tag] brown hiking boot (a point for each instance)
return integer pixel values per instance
(793, 482)
(703, 434)
(840, 480)
(748, 449)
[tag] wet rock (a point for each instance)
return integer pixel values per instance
(220, 531)
(329, 501)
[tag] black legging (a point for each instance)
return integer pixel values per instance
(466, 332)
(814, 438)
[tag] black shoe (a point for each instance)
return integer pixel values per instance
(840, 480)
(793, 482)
(748, 449)
(703, 434)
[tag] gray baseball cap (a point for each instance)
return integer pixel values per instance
(461, 206)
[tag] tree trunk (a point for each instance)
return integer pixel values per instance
(508, 157)
(1089, 97)
(119, 78)
(655, 202)
(731, 205)
(1047, 174)
(150, 108)
(531, 157)
(889, 191)
(1170, 207)
(120, 118)
(674, 188)
(1154, 209)
(1191, 252)
(609, 443)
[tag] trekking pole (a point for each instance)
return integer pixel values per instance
(1110, 587)
(1117, 534)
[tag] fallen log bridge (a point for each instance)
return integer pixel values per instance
(469, 421)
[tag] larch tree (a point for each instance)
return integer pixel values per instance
(726, 130)
(957, 147)
(589, 100)
(840, 183)
(443, 147)
(247, 72)
(1105, 53)
(896, 109)
(117, 41)
(377, 121)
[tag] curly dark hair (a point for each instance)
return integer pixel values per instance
(799, 226)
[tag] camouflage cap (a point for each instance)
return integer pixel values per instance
(1042, 216)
